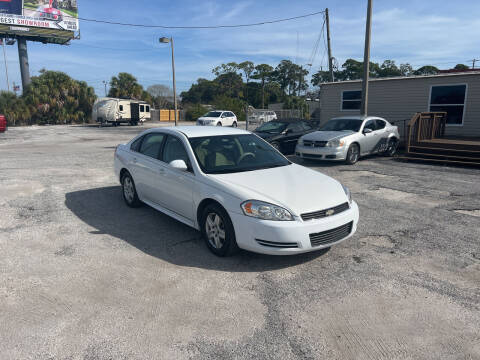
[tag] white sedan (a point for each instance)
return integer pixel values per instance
(236, 189)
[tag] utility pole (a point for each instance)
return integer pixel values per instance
(330, 59)
(24, 66)
(105, 84)
(174, 83)
(473, 62)
(366, 60)
(6, 66)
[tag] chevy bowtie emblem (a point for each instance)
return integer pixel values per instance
(330, 212)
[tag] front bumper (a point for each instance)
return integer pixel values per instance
(252, 234)
(321, 153)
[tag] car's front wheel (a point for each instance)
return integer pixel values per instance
(129, 191)
(217, 230)
(219, 124)
(234, 124)
(353, 154)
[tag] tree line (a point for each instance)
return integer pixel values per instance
(55, 98)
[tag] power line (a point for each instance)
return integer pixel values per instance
(266, 22)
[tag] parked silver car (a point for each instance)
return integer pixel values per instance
(349, 138)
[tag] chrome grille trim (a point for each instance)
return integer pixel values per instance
(323, 213)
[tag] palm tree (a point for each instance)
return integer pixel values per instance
(262, 72)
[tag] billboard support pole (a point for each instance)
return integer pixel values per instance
(6, 65)
(23, 57)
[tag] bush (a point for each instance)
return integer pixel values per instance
(235, 105)
(193, 112)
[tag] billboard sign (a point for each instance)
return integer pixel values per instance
(42, 20)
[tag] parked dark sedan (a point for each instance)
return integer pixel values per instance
(284, 134)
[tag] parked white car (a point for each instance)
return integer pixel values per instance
(218, 118)
(262, 116)
(236, 189)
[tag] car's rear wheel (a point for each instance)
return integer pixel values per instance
(129, 191)
(219, 124)
(391, 147)
(217, 230)
(353, 154)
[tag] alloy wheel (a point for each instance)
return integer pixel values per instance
(215, 230)
(128, 189)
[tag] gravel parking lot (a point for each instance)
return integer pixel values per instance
(82, 276)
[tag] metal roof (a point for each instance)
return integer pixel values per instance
(404, 78)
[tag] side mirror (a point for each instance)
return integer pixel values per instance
(367, 131)
(179, 165)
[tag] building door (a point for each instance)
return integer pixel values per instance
(135, 112)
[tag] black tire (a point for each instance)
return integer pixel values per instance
(276, 145)
(219, 124)
(129, 192)
(228, 246)
(353, 154)
(234, 124)
(392, 146)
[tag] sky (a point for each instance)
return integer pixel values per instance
(440, 33)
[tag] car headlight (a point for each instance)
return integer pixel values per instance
(348, 193)
(335, 143)
(265, 211)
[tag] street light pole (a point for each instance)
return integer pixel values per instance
(366, 61)
(170, 40)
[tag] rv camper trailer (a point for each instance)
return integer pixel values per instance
(116, 111)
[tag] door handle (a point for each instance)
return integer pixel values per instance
(134, 160)
(161, 171)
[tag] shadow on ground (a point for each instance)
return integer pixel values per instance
(160, 236)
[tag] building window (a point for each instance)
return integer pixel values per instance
(351, 100)
(142, 108)
(451, 99)
(147, 108)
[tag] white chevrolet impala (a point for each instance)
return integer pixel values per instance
(236, 189)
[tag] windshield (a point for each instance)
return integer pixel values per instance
(272, 127)
(235, 153)
(342, 125)
(213, 114)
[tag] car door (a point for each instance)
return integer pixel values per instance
(368, 140)
(175, 187)
(293, 133)
(224, 119)
(146, 164)
(382, 135)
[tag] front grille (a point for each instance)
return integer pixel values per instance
(310, 143)
(327, 212)
(283, 245)
(331, 236)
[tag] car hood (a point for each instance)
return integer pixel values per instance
(327, 135)
(293, 187)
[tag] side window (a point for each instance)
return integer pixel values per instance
(136, 144)
(306, 126)
(120, 108)
(174, 150)
(380, 124)
(231, 114)
(142, 108)
(295, 127)
(152, 145)
(224, 115)
(370, 125)
(147, 108)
